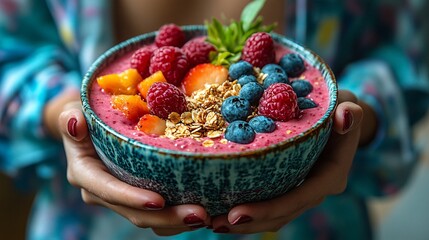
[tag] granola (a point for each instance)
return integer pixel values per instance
(203, 118)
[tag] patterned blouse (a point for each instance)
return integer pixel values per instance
(374, 47)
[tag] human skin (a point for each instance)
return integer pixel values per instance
(146, 209)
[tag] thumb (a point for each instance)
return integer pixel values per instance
(72, 123)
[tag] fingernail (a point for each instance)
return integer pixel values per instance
(71, 126)
(221, 229)
(152, 206)
(348, 120)
(242, 219)
(193, 220)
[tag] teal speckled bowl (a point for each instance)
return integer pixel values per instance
(216, 181)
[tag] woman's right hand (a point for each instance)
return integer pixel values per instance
(143, 208)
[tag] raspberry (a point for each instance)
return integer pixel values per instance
(259, 49)
(140, 60)
(197, 51)
(170, 35)
(279, 102)
(165, 98)
(172, 62)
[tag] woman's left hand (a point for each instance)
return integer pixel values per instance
(328, 177)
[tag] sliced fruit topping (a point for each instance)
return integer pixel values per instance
(202, 75)
(122, 83)
(151, 124)
(144, 85)
(132, 106)
(165, 98)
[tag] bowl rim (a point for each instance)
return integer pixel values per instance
(310, 56)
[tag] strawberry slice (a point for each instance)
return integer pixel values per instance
(151, 124)
(203, 74)
(132, 106)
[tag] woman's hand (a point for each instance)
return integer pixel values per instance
(143, 208)
(328, 177)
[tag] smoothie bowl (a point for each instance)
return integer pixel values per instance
(210, 163)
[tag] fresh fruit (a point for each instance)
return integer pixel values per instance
(239, 69)
(144, 85)
(140, 60)
(132, 106)
(252, 92)
(170, 35)
(229, 40)
(262, 124)
(151, 124)
(306, 103)
(240, 132)
(197, 51)
(165, 98)
(201, 75)
(293, 64)
(279, 102)
(172, 62)
(275, 77)
(243, 80)
(301, 87)
(272, 68)
(259, 50)
(122, 83)
(235, 108)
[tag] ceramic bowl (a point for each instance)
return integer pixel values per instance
(216, 181)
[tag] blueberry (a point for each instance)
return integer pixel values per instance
(241, 68)
(243, 80)
(252, 92)
(240, 132)
(262, 124)
(235, 108)
(305, 103)
(292, 64)
(272, 68)
(275, 78)
(302, 87)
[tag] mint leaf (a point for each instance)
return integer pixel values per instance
(250, 12)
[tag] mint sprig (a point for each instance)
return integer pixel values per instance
(229, 39)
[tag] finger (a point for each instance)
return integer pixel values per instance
(221, 225)
(85, 170)
(347, 117)
(181, 217)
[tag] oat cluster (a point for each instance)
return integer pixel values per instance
(203, 118)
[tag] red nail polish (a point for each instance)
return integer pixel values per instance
(193, 220)
(152, 206)
(242, 219)
(221, 229)
(71, 126)
(348, 120)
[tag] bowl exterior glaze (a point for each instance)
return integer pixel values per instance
(216, 181)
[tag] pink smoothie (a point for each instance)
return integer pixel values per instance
(100, 102)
